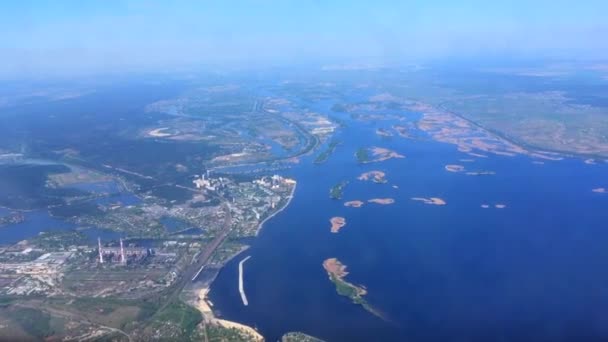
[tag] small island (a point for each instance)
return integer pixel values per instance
(431, 200)
(337, 190)
(480, 173)
(402, 131)
(600, 190)
(354, 204)
(500, 206)
(376, 154)
(383, 201)
(374, 176)
(337, 223)
(454, 168)
(331, 147)
(337, 272)
(384, 132)
(299, 337)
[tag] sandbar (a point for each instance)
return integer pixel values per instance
(383, 132)
(454, 168)
(375, 176)
(337, 223)
(382, 154)
(431, 200)
(158, 133)
(590, 161)
(485, 206)
(480, 173)
(354, 204)
(600, 190)
(384, 201)
(500, 206)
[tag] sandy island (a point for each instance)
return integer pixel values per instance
(590, 161)
(383, 132)
(454, 168)
(384, 201)
(382, 154)
(158, 133)
(337, 223)
(431, 200)
(485, 206)
(354, 204)
(375, 176)
(600, 190)
(500, 206)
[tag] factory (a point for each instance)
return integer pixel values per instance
(121, 254)
(205, 182)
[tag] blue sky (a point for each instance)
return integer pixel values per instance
(61, 36)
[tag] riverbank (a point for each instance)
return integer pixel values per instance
(289, 199)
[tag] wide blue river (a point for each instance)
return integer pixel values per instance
(535, 270)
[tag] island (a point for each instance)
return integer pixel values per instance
(337, 272)
(376, 154)
(383, 201)
(299, 337)
(600, 190)
(337, 223)
(500, 206)
(323, 156)
(337, 190)
(454, 168)
(354, 204)
(431, 200)
(374, 176)
(480, 173)
(383, 132)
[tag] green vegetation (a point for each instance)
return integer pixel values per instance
(181, 318)
(355, 293)
(337, 190)
(347, 290)
(219, 333)
(362, 155)
(299, 337)
(34, 322)
(321, 158)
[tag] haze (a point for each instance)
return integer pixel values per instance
(41, 37)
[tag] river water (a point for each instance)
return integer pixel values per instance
(534, 270)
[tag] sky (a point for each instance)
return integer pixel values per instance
(62, 36)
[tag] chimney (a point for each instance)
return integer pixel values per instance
(100, 251)
(122, 253)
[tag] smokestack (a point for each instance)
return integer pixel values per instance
(100, 251)
(122, 253)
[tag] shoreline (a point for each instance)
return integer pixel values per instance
(202, 303)
(291, 195)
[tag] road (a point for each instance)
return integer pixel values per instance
(202, 259)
